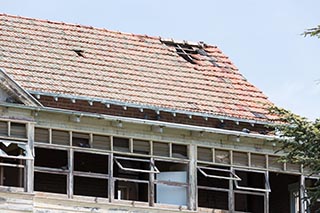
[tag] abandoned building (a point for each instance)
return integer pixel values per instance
(94, 120)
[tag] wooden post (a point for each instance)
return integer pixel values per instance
(70, 182)
(29, 167)
(192, 178)
(231, 194)
(151, 184)
(111, 181)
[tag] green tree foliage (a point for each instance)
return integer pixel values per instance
(313, 32)
(300, 138)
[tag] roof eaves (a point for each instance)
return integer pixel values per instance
(157, 109)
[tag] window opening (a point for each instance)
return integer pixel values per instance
(80, 140)
(51, 158)
(131, 177)
(252, 180)
(90, 186)
(213, 186)
(179, 151)
(49, 182)
(171, 183)
(249, 202)
(89, 162)
(13, 149)
(11, 172)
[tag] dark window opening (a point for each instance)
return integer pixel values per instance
(251, 179)
(125, 190)
(54, 183)
(213, 199)
(215, 178)
(179, 151)
(80, 139)
(121, 144)
(131, 169)
(90, 186)
(87, 162)
(11, 176)
(249, 203)
(51, 158)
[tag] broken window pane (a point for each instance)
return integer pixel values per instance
(12, 149)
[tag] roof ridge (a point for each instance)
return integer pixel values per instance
(178, 41)
(80, 25)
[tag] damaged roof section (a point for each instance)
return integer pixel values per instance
(149, 72)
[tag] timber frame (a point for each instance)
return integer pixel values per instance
(211, 156)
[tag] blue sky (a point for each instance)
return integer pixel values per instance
(262, 38)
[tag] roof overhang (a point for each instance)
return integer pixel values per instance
(161, 124)
(16, 91)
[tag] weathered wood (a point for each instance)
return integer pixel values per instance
(29, 169)
(111, 180)
(192, 177)
(151, 186)
(70, 182)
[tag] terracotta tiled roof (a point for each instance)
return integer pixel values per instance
(68, 59)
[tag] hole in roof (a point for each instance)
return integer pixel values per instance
(259, 115)
(79, 52)
(188, 52)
